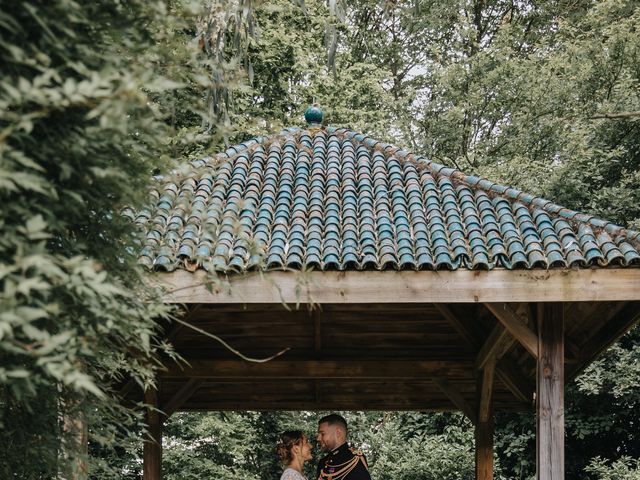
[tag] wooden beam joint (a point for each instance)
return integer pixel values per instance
(516, 326)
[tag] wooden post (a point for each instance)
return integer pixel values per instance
(152, 452)
(484, 426)
(484, 450)
(550, 389)
(75, 442)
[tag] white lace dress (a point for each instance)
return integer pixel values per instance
(291, 474)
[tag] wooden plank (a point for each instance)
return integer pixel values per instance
(460, 286)
(622, 321)
(152, 450)
(516, 326)
(550, 398)
(456, 398)
(498, 343)
(181, 396)
(346, 369)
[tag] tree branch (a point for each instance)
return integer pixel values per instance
(612, 115)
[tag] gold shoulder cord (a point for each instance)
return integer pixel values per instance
(345, 469)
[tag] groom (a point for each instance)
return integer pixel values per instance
(342, 462)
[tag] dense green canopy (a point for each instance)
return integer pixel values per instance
(95, 97)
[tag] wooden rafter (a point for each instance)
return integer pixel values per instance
(516, 326)
(498, 343)
(515, 381)
(456, 398)
(622, 320)
(508, 374)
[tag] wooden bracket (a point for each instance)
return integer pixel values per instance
(514, 380)
(456, 398)
(514, 324)
(181, 396)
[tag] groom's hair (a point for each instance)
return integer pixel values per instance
(334, 419)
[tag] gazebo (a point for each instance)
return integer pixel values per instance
(393, 282)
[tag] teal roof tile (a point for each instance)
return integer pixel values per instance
(334, 199)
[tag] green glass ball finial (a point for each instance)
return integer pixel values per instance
(313, 115)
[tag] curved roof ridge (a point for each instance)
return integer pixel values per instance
(491, 187)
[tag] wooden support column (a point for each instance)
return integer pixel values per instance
(550, 388)
(75, 442)
(152, 453)
(484, 450)
(485, 426)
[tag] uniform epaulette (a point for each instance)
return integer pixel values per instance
(356, 452)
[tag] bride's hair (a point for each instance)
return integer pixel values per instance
(286, 442)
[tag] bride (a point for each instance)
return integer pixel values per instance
(293, 449)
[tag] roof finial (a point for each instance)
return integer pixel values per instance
(313, 115)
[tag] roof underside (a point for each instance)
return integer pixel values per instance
(369, 356)
(332, 199)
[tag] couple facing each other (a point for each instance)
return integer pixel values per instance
(341, 462)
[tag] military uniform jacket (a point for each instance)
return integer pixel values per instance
(343, 463)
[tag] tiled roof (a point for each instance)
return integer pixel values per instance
(333, 199)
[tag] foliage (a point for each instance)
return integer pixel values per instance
(81, 130)
(624, 468)
(403, 446)
(219, 445)
(289, 72)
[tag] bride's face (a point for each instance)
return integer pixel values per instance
(303, 449)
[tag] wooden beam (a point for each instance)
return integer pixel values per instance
(152, 450)
(347, 369)
(456, 398)
(508, 374)
(608, 333)
(486, 391)
(190, 387)
(550, 398)
(460, 286)
(516, 381)
(498, 343)
(516, 326)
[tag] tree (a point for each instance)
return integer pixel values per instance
(82, 127)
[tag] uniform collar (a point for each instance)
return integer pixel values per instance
(342, 447)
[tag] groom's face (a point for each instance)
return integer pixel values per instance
(327, 436)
